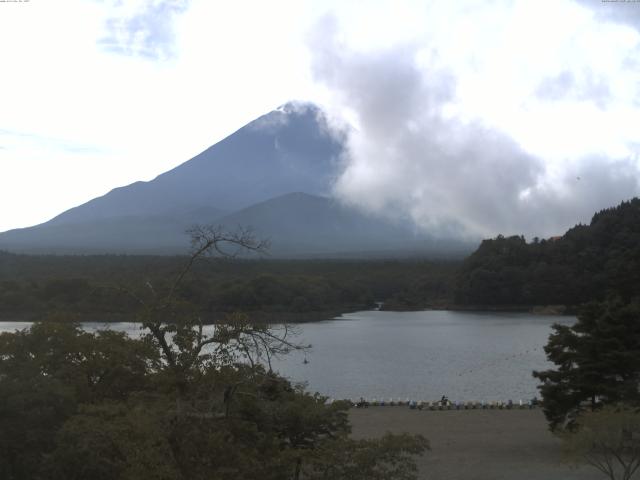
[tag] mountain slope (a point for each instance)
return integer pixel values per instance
(286, 150)
(302, 224)
(296, 224)
(153, 234)
(244, 180)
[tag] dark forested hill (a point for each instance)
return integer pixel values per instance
(589, 262)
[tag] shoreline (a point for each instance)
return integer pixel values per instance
(304, 317)
(210, 319)
(542, 310)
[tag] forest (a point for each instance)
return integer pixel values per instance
(589, 262)
(99, 287)
(178, 404)
(175, 404)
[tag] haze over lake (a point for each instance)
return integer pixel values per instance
(418, 355)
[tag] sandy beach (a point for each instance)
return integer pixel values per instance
(476, 444)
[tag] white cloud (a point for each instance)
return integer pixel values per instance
(528, 94)
(458, 125)
(142, 28)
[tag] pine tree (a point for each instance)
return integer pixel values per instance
(597, 359)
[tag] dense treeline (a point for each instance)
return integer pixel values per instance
(589, 262)
(180, 403)
(102, 406)
(102, 286)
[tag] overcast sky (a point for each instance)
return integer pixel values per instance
(480, 117)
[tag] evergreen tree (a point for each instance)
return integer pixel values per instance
(597, 359)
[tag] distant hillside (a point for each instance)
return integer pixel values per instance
(588, 262)
(287, 150)
(299, 224)
(246, 180)
(153, 234)
(296, 224)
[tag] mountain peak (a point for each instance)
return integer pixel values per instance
(274, 174)
(288, 149)
(296, 106)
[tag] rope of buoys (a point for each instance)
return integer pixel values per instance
(444, 405)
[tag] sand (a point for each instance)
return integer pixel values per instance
(476, 444)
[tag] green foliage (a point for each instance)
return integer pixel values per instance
(47, 372)
(607, 439)
(597, 359)
(112, 440)
(77, 405)
(31, 411)
(178, 403)
(587, 263)
(34, 286)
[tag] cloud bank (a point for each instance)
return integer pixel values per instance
(480, 130)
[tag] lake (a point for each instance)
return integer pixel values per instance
(417, 355)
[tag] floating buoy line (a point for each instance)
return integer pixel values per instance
(444, 404)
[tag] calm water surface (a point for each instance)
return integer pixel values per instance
(417, 355)
(424, 355)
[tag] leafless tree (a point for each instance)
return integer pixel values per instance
(607, 439)
(177, 328)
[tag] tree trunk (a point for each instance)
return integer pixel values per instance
(298, 469)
